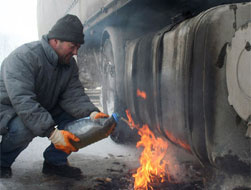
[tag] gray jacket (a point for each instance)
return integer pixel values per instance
(34, 86)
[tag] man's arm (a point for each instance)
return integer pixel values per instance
(19, 78)
(74, 100)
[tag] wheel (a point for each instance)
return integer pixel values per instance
(112, 85)
(108, 78)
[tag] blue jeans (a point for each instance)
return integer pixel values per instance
(19, 137)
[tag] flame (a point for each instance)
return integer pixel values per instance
(154, 167)
(130, 120)
(141, 94)
(177, 141)
(169, 134)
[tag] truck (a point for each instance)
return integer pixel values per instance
(191, 59)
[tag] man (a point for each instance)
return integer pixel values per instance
(40, 89)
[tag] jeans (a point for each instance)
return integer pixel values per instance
(19, 137)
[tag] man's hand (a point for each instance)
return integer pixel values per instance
(96, 115)
(61, 140)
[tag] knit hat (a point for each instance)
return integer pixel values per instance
(68, 28)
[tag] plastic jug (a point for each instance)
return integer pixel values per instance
(90, 131)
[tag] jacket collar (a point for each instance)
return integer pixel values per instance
(49, 51)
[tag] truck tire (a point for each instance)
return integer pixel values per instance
(108, 77)
(112, 66)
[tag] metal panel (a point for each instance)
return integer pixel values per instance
(224, 135)
(194, 93)
(186, 89)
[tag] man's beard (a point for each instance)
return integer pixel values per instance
(64, 60)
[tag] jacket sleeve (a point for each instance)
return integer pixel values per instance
(74, 100)
(18, 72)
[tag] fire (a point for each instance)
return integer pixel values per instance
(141, 94)
(153, 167)
(177, 141)
(130, 120)
(152, 160)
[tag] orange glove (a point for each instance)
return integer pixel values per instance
(96, 115)
(61, 140)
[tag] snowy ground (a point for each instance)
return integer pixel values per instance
(106, 166)
(98, 161)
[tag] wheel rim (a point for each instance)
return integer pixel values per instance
(109, 74)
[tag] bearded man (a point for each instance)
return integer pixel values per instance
(40, 89)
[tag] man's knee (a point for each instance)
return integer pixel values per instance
(18, 135)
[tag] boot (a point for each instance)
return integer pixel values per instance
(61, 170)
(5, 172)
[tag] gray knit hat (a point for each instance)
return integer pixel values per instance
(68, 28)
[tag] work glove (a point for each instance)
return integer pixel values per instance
(96, 115)
(61, 140)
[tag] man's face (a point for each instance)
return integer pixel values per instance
(66, 50)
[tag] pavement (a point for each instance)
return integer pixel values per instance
(106, 165)
(100, 163)
(110, 166)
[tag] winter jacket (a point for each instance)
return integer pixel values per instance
(34, 86)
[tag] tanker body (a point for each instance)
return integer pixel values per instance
(191, 58)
